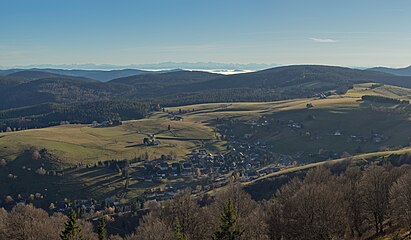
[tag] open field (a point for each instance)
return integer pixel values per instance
(82, 143)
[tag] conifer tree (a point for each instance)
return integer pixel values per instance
(178, 231)
(228, 229)
(102, 231)
(71, 229)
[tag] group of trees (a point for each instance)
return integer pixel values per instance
(83, 112)
(353, 203)
(30, 223)
(382, 99)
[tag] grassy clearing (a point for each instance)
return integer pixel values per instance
(82, 143)
(384, 90)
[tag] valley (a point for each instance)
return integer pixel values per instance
(271, 138)
(205, 120)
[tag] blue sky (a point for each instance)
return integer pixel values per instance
(122, 32)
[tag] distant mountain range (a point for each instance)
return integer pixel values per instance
(156, 66)
(396, 71)
(100, 75)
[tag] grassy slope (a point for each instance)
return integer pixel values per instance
(356, 158)
(345, 113)
(82, 143)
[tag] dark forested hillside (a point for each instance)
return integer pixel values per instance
(316, 77)
(275, 84)
(167, 79)
(396, 71)
(50, 114)
(56, 90)
(99, 75)
(30, 88)
(31, 75)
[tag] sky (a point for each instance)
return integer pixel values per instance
(358, 33)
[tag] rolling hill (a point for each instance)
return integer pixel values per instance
(55, 90)
(313, 76)
(281, 82)
(31, 75)
(99, 75)
(273, 84)
(167, 79)
(395, 71)
(34, 88)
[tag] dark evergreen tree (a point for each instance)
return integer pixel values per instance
(228, 229)
(71, 229)
(178, 231)
(102, 231)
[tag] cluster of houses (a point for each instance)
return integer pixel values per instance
(373, 137)
(175, 117)
(257, 123)
(197, 164)
(151, 140)
(108, 123)
(8, 202)
(294, 125)
(249, 136)
(203, 171)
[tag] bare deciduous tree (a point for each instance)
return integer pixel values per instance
(401, 201)
(273, 211)
(314, 212)
(152, 228)
(184, 207)
(375, 186)
(27, 222)
(3, 219)
(353, 201)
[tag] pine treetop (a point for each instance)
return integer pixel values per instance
(228, 229)
(71, 229)
(178, 231)
(102, 231)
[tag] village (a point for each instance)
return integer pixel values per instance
(201, 172)
(245, 159)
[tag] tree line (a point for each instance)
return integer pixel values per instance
(45, 115)
(359, 202)
(382, 99)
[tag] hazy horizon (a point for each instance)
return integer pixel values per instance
(200, 66)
